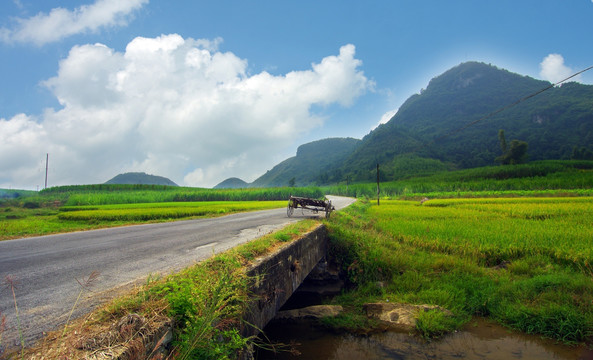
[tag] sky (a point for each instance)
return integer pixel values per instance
(200, 91)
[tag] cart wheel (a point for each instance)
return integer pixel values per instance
(289, 209)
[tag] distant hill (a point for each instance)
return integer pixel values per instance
(15, 194)
(311, 164)
(430, 125)
(232, 183)
(140, 178)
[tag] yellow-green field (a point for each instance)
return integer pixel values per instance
(495, 229)
(523, 262)
(19, 222)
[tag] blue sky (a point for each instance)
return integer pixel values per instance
(201, 91)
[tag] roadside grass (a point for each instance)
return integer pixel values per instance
(525, 263)
(206, 303)
(20, 222)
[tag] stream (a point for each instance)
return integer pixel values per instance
(479, 340)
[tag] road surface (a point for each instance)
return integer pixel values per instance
(46, 270)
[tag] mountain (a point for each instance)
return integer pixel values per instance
(448, 124)
(453, 123)
(312, 163)
(232, 183)
(140, 178)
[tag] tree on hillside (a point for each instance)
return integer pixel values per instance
(515, 153)
(581, 153)
(502, 140)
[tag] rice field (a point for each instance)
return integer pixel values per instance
(102, 194)
(86, 207)
(158, 211)
(526, 263)
(18, 222)
(495, 229)
(550, 178)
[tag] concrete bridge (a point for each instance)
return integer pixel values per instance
(278, 276)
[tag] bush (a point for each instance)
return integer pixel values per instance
(31, 205)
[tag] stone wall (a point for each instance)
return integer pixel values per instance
(278, 275)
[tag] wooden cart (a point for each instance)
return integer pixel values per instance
(314, 205)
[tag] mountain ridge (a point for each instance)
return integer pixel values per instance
(453, 124)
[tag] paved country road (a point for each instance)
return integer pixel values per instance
(46, 270)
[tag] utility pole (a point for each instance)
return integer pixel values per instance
(378, 186)
(347, 181)
(46, 164)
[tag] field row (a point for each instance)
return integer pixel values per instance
(498, 229)
(16, 222)
(130, 194)
(524, 262)
(158, 211)
(554, 177)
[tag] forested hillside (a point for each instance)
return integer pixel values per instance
(311, 164)
(454, 124)
(430, 128)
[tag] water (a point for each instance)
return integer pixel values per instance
(480, 340)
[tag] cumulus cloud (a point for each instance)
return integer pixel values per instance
(60, 23)
(552, 68)
(174, 107)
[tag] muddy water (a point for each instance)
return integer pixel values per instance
(480, 340)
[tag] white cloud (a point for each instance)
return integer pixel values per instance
(60, 23)
(173, 107)
(552, 68)
(386, 117)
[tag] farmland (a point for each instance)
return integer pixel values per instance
(540, 178)
(513, 244)
(526, 262)
(85, 207)
(20, 223)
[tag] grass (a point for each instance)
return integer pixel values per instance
(128, 194)
(85, 207)
(496, 230)
(552, 177)
(21, 222)
(159, 211)
(10, 283)
(524, 262)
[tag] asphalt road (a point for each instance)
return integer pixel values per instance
(46, 270)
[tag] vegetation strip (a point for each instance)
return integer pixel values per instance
(525, 263)
(18, 222)
(105, 194)
(550, 178)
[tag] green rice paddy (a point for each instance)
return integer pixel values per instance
(523, 262)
